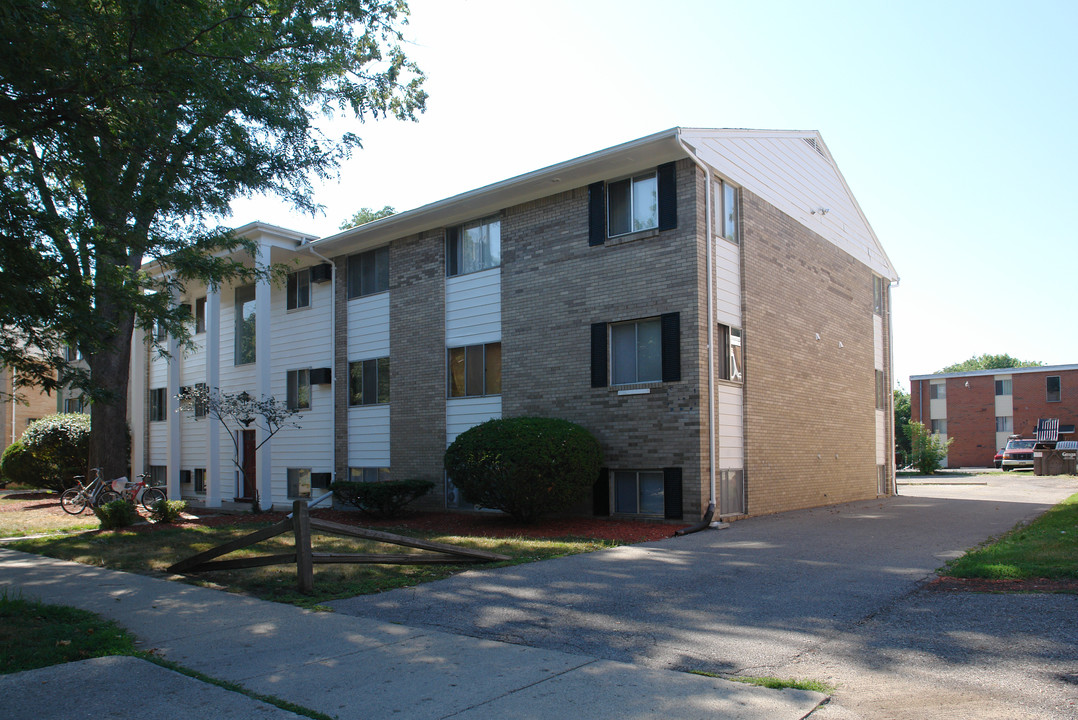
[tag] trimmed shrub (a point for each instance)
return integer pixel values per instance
(167, 511)
(116, 514)
(526, 467)
(59, 445)
(381, 499)
(18, 465)
(929, 449)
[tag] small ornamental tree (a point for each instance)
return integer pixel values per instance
(239, 411)
(51, 452)
(526, 467)
(929, 449)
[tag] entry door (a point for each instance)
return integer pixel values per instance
(247, 445)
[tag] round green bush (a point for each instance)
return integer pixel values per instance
(59, 446)
(116, 514)
(18, 465)
(526, 467)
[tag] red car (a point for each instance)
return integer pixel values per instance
(998, 459)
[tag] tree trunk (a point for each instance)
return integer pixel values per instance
(110, 369)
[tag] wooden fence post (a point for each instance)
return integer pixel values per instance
(301, 524)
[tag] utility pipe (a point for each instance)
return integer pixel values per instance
(705, 521)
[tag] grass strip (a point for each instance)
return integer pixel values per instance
(34, 635)
(772, 683)
(1045, 548)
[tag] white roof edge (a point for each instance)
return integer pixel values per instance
(996, 371)
(282, 233)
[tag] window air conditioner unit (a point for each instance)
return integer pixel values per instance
(321, 376)
(322, 273)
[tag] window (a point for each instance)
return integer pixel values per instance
(725, 221)
(728, 357)
(201, 405)
(1003, 387)
(473, 247)
(937, 391)
(298, 294)
(245, 325)
(1053, 388)
(939, 427)
(368, 382)
(75, 405)
(368, 272)
(475, 370)
(636, 352)
(299, 482)
(200, 480)
(368, 474)
(632, 204)
(299, 389)
(157, 404)
(877, 295)
(1004, 424)
(638, 492)
(73, 353)
(200, 315)
(881, 391)
(158, 475)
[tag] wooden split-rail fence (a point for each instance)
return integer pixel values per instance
(301, 524)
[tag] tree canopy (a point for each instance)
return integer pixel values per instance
(989, 362)
(127, 128)
(366, 215)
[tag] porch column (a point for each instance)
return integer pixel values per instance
(213, 381)
(172, 415)
(263, 366)
(136, 396)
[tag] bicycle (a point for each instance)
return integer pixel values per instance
(124, 489)
(85, 495)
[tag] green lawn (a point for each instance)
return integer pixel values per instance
(33, 635)
(45, 517)
(1045, 548)
(152, 552)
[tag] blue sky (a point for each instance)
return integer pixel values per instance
(951, 121)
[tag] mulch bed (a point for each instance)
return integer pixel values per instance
(1032, 585)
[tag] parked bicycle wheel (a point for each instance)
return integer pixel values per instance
(73, 501)
(150, 496)
(105, 497)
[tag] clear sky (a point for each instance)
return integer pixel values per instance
(952, 121)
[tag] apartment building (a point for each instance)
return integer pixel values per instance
(711, 304)
(980, 409)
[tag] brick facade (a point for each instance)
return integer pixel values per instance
(809, 404)
(15, 416)
(971, 408)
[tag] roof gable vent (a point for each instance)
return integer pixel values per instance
(815, 146)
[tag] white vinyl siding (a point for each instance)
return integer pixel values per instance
(1004, 403)
(368, 326)
(368, 436)
(727, 268)
(473, 308)
(729, 417)
(463, 413)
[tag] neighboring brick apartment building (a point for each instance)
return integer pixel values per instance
(980, 409)
(15, 416)
(578, 291)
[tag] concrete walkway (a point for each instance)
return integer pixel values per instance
(339, 665)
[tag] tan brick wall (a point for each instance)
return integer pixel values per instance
(15, 416)
(809, 404)
(554, 286)
(418, 365)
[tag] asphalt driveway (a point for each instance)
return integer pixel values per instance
(834, 594)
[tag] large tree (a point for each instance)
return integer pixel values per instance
(989, 362)
(127, 127)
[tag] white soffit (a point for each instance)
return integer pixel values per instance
(794, 171)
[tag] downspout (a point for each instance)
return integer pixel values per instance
(891, 395)
(705, 521)
(333, 344)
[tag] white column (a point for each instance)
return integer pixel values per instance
(263, 365)
(136, 397)
(172, 415)
(213, 381)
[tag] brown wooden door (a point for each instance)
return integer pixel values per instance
(247, 445)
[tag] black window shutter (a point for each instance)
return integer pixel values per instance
(667, 196)
(671, 346)
(598, 355)
(596, 213)
(672, 493)
(451, 257)
(600, 494)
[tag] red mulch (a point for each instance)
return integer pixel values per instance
(477, 524)
(1032, 585)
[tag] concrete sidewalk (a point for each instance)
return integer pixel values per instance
(342, 666)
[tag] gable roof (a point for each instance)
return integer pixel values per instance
(791, 169)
